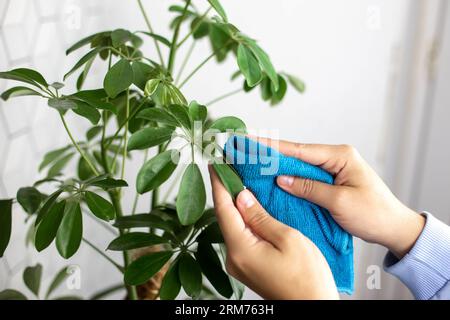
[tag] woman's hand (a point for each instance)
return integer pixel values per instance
(359, 201)
(274, 260)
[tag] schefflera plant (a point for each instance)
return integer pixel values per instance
(141, 106)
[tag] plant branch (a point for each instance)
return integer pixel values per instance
(196, 69)
(173, 47)
(136, 197)
(197, 25)
(125, 137)
(224, 96)
(82, 154)
(149, 26)
(121, 269)
(185, 61)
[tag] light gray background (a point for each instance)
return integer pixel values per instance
(372, 81)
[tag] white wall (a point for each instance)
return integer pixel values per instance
(346, 51)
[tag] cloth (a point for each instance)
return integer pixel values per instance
(258, 166)
(425, 270)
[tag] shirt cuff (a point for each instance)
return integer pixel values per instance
(425, 269)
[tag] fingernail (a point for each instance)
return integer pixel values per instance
(286, 181)
(246, 199)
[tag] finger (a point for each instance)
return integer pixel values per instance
(323, 194)
(229, 219)
(261, 223)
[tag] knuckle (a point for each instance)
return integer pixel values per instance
(306, 187)
(349, 150)
(258, 218)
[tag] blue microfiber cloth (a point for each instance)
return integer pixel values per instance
(258, 166)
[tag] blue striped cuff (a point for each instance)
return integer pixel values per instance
(426, 268)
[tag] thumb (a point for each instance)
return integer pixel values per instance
(261, 222)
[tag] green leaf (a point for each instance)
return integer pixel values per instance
(212, 268)
(120, 37)
(87, 111)
(159, 115)
(144, 220)
(191, 198)
(151, 86)
(48, 227)
(57, 281)
(171, 285)
(84, 73)
(248, 65)
(266, 89)
(84, 59)
(61, 104)
(278, 95)
(99, 206)
(103, 293)
(25, 75)
(10, 294)
(156, 171)
(134, 240)
(32, 278)
(29, 198)
(51, 156)
(229, 178)
(157, 37)
(70, 232)
(199, 28)
(221, 41)
(238, 287)
(149, 137)
(84, 170)
(142, 72)
(5, 224)
(93, 132)
(229, 123)
(219, 9)
(86, 41)
(118, 78)
(91, 95)
(57, 85)
(190, 275)
(175, 95)
(181, 114)
(19, 92)
(59, 165)
(298, 84)
(48, 203)
(197, 111)
(264, 62)
(145, 267)
(206, 219)
(211, 234)
(109, 183)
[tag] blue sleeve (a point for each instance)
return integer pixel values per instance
(425, 270)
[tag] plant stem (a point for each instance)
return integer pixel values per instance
(103, 254)
(149, 26)
(173, 47)
(94, 170)
(186, 59)
(136, 197)
(226, 95)
(196, 69)
(195, 27)
(125, 136)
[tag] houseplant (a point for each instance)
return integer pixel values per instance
(141, 106)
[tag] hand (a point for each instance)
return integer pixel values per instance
(359, 201)
(274, 260)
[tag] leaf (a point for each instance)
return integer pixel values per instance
(149, 137)
(206, 219)
(199, 27)
(190, 275)
(229, 123)
(70, 232)
(84, 59)
(248, 65)
(181, 114)
(93, 132)
(142, 72)
(51, 156)
(145, 267)
(151, 86)
(298, 84)
(109, 183)
(219, 9)
(120, 37)
(5, 224)
(197, 111)
(48, 227)
(57, 280)
(134, 240)
(159, 115)
(144, 220)
(266, 90)
(48, 203)
(171, 285)
(61, 104)
(99, 206)
(103, 293)
(175, 95)
(221, 41)
(212, 268)
(86, 41)
(229, 178)
(211, 234)
(156, 171)
(19, 92)
(278, 95)
(84, 171)
(29, 198)
(59, 165)
(25, 75)
(84, 73)
(32, 278)
(157, 37)
(238, 287)
(191, 198)
(87, 111)
(57, 85)
(11, 294)
(264, 62)
(118, 78)
(91, 95)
